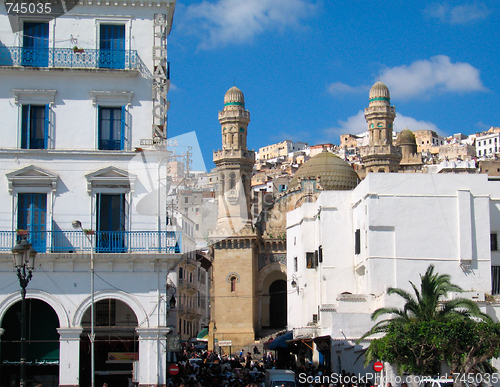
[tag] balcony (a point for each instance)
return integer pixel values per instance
(104, 241)
(186, 286)
(70, 58)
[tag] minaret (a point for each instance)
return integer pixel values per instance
(234, 165)
(380, 155)
(234, 300)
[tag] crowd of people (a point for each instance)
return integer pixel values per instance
(209, 369)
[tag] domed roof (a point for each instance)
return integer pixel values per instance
(379, 92)
(406, 137)
(234, 96)
(334, 173)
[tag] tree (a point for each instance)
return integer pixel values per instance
(421, 335)
(427, 304)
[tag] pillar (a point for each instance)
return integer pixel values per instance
(69, 356)
(152, 356)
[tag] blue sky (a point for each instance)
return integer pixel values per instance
(306, 66)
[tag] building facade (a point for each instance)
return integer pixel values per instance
(84, 104)
(348, 247)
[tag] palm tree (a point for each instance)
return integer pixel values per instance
(427, 304)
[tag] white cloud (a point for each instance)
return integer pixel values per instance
(357, 125)
(236, 21)
(413, 124)
(460, 14)
(430, 76)
(339, 88)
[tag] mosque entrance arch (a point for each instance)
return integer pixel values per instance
(277, 304)
(42, 344)
(116, 344)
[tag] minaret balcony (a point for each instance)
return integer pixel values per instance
(243, 154)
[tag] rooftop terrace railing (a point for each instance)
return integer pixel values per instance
(104, 241)
(69, 58)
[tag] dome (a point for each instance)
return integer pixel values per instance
(234, 96)
(406, 137)
(379, 92)
(334, 173)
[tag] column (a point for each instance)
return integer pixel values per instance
(264, 311)
(152, 356)
(69, 356)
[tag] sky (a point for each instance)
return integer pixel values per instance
(305, 67)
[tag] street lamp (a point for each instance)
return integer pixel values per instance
(24, 259)
(78, 225)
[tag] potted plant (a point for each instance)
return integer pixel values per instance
(21, 232)
(88, 231)
(76, 49)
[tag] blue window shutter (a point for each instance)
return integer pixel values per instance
(25, 126)
(46, 127)
(122, 134)
(99, 127)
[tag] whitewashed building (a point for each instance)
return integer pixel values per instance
(488, 143)
(84, 105)
(347, 248)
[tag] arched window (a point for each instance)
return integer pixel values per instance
(233, 283)
(232, 181)
(243, 182)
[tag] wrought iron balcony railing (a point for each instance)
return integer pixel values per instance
(69, 57)
(104, 241)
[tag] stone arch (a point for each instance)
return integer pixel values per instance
(53, 302)
(271, 273)
(129, 300)
(273, 267)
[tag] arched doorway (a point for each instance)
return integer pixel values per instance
(42, 345)
(277, 304)
(116, 344)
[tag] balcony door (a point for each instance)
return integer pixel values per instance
(112, 46)
(35, 44)
(110, 223)
(32, 216)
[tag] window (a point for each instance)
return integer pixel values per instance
(311, 260)
(295, 264)
(357, 242)
(112, 46)
(494, 241)
(181, 272)
(320, 254)
(233, 284)
(111, 128)
(495, 280)
(111, 223)
(31, 216)
(105, 313)
(186, 199)
(35, 51)
(34, 126)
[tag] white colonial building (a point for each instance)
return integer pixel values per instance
(84, 104)
(347, 248)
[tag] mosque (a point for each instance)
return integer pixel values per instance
(249, 292)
